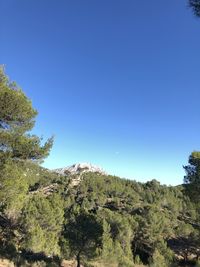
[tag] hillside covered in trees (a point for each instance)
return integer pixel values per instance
(102, 220)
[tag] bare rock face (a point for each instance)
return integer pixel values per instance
(80, 168)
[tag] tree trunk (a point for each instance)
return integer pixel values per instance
(78, 260)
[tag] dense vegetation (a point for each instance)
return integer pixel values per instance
(102, 221)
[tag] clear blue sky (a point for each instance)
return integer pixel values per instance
(116, 81)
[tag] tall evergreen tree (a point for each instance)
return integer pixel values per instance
(17, 118)
(17, 145)
(192, 176)
(42, 220)
(84, 233)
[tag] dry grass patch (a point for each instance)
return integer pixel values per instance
(6, 263)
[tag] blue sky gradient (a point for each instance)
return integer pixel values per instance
(116, 82)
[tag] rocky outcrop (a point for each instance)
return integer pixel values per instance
(76, 171)
(80, 168)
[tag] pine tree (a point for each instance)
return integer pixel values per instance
(192, 176)
(19, 150)
(17, 146)
(42, 220)
(16, 120)
(84, 233)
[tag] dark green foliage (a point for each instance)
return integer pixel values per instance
(84, 233)
(14, 188)
(192, 178)
(138, 219)
(42, 220)
(193, 169)
(16, 110)
(195, 5)
(106, 218)
(117, 236)
(19, 153)
(17, 147)
(16, 118)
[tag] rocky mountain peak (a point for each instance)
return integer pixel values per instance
(80, 168)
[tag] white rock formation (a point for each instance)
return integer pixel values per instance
(80, 168)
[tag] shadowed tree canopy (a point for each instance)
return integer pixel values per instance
(195, 5)
(84, 233)
(192, 176)
(193, 169)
